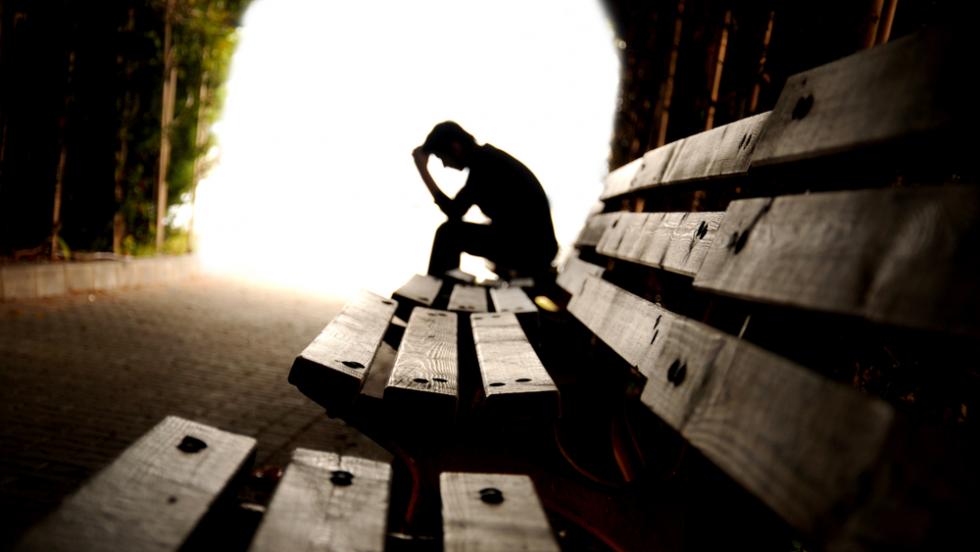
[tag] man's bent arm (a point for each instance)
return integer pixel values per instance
(446, 205)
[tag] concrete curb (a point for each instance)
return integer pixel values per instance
(30, 281)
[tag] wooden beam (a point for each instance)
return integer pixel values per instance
(904, 256)
(492, 512)
(332, 369)
(466, 298)
(326, 501)
(152, 496)
(511, 299)
(515, 383)
(676, 242)
(425, 378)
(907, 88)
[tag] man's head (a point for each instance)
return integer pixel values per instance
(450, 143)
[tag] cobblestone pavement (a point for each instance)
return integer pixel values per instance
(83, 376)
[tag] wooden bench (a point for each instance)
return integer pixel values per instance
(769, 343)
(784, 296)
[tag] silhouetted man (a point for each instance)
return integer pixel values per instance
(520, 239)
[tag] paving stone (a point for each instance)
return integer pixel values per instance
(83, 376)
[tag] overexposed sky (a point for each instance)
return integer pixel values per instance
(316, 188)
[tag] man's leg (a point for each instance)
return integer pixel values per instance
(455, 237)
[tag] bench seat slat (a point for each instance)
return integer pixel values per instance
(426, 370)
(313, 508)
(676, 242)
(511, 299)
(420, 289)
(471, 524)
(900, 256)
(514, 380)
(333, 367)
(467, 298)
(152, 496)
(908, 86)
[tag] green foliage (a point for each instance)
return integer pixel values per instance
(204, 40)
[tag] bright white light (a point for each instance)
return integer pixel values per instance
(316, 187)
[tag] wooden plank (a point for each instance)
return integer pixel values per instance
(492, 512)
(800, 442)
(152, 496)
(902, 256)
(630, 325)
(620, 180)
(721, 151)
(423, 290)
(466, 298)
(425, 375)
(574, 272)
(511, 299)
(515, 383)
(459, 275)
(332, 368)
(326, 501)
(594, 227)
(910, 86)
(676, 242)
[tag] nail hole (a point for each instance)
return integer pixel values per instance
(803, 107)
(522, 380)
(424, 299)
(680, 374)
(495, 316)
(341, 478)
(352, 364)
(192, 445)
(491, 495)
(420, 380)
(657, 322)
(497, 384)
(171, 500)
(440, 380)
(615, 222)
(672, 371)
(477, 318)
(655, 334)
(387, 302)
(702, 230)
(740, 241)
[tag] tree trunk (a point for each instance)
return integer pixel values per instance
(671, 72)
(166, 118)
(59, 176)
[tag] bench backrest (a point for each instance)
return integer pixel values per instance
(773, 328)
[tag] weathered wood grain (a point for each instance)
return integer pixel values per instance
(676, 242)
(511, 299)
(901, 256)
(630, 325)
(473, 521)
(152, 496)
(574, 272)
(426, 371)
(423, 290)
(466, 298)
(515, 383)
(619, 181)
(332, 368)
(721, 151)
(797, 440)
(317, 506)
(881, 94)
(594, 227)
